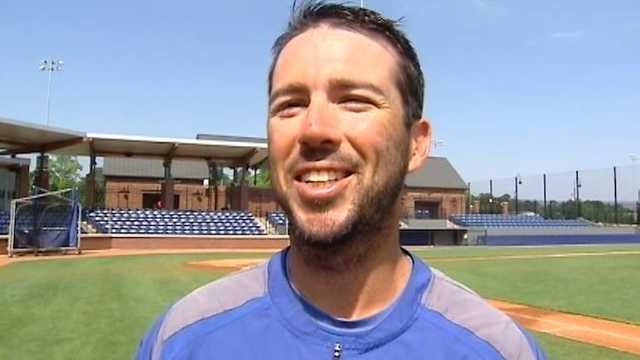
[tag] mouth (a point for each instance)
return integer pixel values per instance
(322, 178)
(318, 185)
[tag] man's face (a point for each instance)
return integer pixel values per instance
(338, 146)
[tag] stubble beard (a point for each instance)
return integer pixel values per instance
(337, 245)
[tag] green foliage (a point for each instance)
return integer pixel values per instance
(223, 179)
(263, 176)
(64, 172)
(99, 190)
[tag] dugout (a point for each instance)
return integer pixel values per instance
(431, 232)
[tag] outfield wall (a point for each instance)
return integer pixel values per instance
(532, 240)
(477, 236)
(120, 241)
(550, 231)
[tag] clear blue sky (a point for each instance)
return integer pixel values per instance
(513, 86)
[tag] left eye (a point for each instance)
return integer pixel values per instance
(356, 104)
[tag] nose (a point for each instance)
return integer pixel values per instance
(320, 132)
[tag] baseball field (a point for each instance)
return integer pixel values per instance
(98, 307)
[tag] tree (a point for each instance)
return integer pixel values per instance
(263, 176)
(99, 189)
(64, 172)
(593, 210)
(224, 179)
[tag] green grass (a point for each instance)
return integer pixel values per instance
(601, 286)
(91, 308)
(559, 348)
(98, 308)
(478, 251)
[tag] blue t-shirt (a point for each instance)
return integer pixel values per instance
(256, 314)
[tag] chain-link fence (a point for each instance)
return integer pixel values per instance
(610, 195)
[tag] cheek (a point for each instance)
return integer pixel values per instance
(371, 139)
(282, 142)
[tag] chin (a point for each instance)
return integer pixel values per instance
(323, 228)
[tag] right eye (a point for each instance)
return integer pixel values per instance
(289, 108)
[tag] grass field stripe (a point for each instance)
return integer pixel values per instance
(524, 257)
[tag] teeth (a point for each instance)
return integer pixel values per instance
(322, 176)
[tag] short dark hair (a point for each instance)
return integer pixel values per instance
(310, 14)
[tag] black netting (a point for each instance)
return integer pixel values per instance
(46, 222)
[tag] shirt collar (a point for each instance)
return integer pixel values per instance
(305, 320)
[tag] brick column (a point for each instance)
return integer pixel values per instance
(167, 187)
(42, 171)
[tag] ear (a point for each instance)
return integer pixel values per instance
(420, 146)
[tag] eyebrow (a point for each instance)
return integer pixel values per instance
(348, 84)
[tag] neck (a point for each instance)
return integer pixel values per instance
(362, 287)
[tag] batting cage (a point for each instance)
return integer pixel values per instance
(49, 221)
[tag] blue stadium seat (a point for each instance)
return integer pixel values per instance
(511, 221)
(184, 222)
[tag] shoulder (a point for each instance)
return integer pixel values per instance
(474, 316)
(214, 299)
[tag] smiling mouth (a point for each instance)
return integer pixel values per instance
(322, 178)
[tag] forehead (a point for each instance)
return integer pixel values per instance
(323, 53)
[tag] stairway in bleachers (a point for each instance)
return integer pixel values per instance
(279, 222)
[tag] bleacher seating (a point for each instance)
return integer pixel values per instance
(4, 223)
(279, 221)
(174, 222)
(496, 220)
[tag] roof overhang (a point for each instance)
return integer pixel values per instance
(232, 153)
(17, 137)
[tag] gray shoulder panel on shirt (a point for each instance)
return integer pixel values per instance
(214, 298)
(465, 308)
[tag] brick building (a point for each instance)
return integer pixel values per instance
(136, 183)
(437, 189)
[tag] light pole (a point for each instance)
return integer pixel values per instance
(634, 158)
(50, 66)
(437, 144)
(517, 181)
(578, 186)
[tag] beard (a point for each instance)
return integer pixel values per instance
(332, 244)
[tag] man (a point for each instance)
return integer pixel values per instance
(345, 126)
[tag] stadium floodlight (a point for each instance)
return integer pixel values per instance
(50, 66)
(634, 158)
